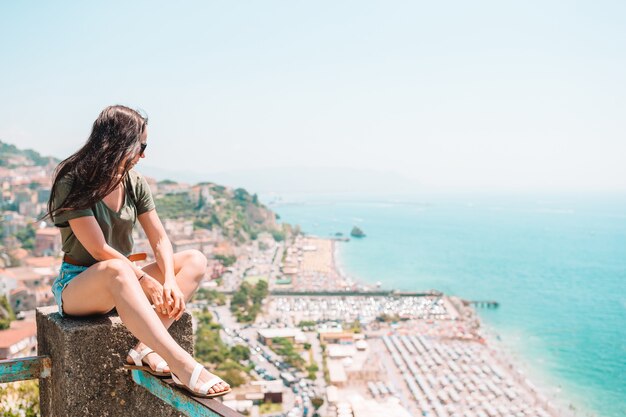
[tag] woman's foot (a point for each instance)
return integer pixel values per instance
(152, 359)
(185, 375)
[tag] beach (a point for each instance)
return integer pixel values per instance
(430, 355)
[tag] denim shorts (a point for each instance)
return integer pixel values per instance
(67, 273)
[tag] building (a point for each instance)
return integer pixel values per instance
(295, 336)
(29, 209)
(22, 299)
(201, 244)
(47, 241)
(31, 277)
(7, 284)
(336, 373)
(272, 390)
(13, 222)
(178, 228)
(340, 351)
(336, 337)
(19, 340)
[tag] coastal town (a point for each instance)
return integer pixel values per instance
(304, 338)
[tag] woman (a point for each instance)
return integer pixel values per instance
(95, 200)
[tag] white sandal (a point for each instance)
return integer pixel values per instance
(138, 357)
(203, 392)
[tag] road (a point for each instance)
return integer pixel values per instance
(261, 356)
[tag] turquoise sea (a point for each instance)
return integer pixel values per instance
(556, 264)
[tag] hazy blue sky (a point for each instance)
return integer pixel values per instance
(485, 94)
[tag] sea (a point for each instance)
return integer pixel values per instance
(556, 264)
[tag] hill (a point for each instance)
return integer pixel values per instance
(12, 157)
(239, 214)
(236, 212)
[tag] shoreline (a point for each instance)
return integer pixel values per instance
(559, 399)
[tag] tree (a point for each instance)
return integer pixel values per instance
(27, 237)
(6, 313)
(317, 402)
(278, 235)
(226, 260)
(240, 353)
(242, 195)
(312, 369)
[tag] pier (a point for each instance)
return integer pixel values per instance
(485, 304)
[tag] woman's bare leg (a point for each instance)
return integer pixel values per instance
(113, 284)
(189, 268)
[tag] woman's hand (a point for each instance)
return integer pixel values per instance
(174, 299)
(154, 291)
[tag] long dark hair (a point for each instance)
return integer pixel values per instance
(95, 168)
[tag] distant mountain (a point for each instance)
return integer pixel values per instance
(298, 179)
(11, 156)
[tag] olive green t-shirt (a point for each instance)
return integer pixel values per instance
(117, 227)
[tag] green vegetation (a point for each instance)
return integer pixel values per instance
(307, 323)
(285, 348)
(254, 279)
(174, 206)
(239, 214)
(226, 260)
(278, 235)
(246, 302)
(204, 223)
(317, 402)
(357, 232)
(212, 296)
(312, 370)
(6, 313)
(240, 353)
(211, 350)
(324, 367)
(27, 237)
(270, 408)
(354, 327)
(7, 151)
(24, 396)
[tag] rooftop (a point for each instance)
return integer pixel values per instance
(19, 331)
(282, 332)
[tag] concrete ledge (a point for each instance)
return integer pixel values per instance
(87, 355)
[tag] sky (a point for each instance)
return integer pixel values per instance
(454, 95)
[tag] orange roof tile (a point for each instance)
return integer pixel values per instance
(19, 331)
(42, 261)
(50, 231)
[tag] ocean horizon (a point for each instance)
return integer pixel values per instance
(556, 264)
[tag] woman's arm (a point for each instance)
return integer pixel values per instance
(89, 234)
(160, 243)
(164, 254)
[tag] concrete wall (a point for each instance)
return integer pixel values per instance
(87, 357)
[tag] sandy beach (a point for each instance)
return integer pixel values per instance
(432, 356)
